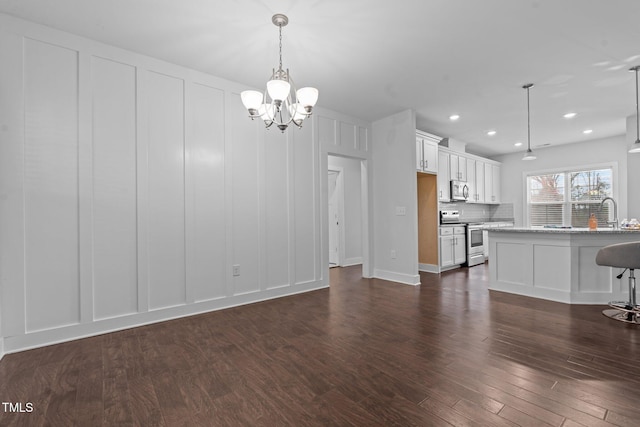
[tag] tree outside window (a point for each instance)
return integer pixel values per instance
(549, 204)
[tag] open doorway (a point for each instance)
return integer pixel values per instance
(347, 212)
(336, 201)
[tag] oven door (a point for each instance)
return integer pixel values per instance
(475, 246)
(475, 242)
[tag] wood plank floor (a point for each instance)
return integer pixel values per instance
(365, 352)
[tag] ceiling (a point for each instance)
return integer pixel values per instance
(373, 58)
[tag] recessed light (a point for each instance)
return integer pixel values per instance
(569, 115)
(454, 117)
(587, 131)
(518, 144)
(491, 132)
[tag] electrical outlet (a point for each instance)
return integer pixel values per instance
(401, 210)
(393, 254)
(236, 269)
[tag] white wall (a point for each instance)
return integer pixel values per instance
(344, 136)
(395, 187)
(352, 222)
(607, 150)
(129, 187)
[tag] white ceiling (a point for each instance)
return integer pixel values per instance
(372, 58)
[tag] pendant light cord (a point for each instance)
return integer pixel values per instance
(528, 121)
(637, 110)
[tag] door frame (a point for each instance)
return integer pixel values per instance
(340, 211)
(366, 210)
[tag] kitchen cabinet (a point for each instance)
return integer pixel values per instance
(481, 175)
(453, 246)
(444, 181)
(426, 155)
(492, 183)
(457, 167)
(479, 182)
(495, 183)
(471, 181)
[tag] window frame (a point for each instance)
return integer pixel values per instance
(567, 203)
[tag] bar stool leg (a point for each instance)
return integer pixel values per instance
(632, 289)
(626, 311)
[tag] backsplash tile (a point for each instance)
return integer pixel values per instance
(476, 212)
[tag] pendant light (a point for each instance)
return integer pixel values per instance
(528, 155)
(280, 103)
(635, 147)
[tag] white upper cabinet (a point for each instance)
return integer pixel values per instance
(427, 153)
(481, 175)
(458, 167)
(426, 156)
(444, 186)
(471, 180)
(491, 183)
(479, 188)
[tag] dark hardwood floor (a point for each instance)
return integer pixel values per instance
(365, 352)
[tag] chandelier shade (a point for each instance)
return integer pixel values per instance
(280, 103)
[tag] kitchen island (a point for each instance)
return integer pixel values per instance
(556, 264)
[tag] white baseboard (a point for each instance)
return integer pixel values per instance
(1, 348)
(352, 261)
(28, 341)
(407, 279)
(429, 268)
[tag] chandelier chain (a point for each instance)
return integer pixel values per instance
(280, 32)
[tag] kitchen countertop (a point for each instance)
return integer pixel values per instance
(561, 230)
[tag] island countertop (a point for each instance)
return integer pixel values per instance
(603, 230)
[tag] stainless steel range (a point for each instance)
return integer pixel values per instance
(474, 240)
(475, 245)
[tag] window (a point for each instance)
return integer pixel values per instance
(569, 197)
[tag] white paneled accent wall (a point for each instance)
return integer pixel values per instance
(130, 187)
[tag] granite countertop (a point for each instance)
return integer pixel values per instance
(560, 230)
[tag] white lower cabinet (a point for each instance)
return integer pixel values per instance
(453, 246)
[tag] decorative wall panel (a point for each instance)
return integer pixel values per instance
(52, 287)
(166, 222)
(114, 209)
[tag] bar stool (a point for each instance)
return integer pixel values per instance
(627, 256)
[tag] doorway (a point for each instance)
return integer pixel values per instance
(336, 199)
(347, 212)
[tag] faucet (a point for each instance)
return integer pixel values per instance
(615, 212)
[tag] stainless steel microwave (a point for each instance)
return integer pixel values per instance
(459, 190)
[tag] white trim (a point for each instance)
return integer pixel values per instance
(352, 261)
(406, 279)
(429, 268)
(63, 334)
(339, 191)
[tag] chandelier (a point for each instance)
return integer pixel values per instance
(280, 103)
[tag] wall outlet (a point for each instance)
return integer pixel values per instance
(236, 269)
(394, 255)
(401, 210)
